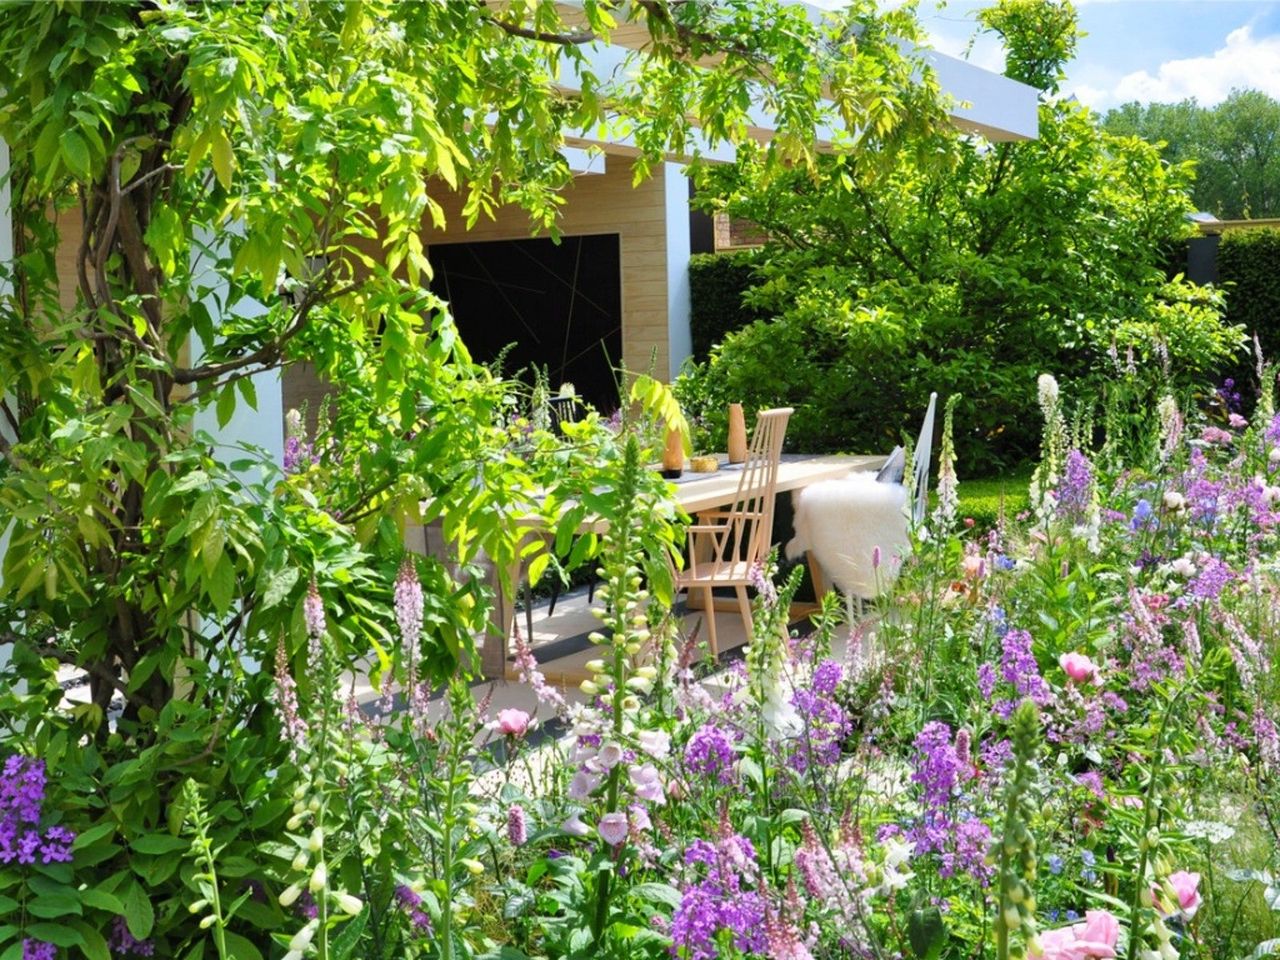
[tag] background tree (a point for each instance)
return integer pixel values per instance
(1235, 147)
(244, 186)
(962, 267)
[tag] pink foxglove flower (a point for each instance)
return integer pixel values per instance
(613, 828)
(655, 743)
(575, 827)
(583, 784)
(1078, 667)
(610, 755)
(517, 828)
(648, 784)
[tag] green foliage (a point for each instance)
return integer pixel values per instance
(241, 188)
(717, 283)
(960, 267)
(1231, 144)
(1249, 272)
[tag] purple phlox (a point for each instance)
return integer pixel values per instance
(23, 782)
(124, 943)
(718, 898)
(710, 753)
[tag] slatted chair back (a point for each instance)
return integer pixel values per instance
(920, 464)
(748, 532)
(563, 409)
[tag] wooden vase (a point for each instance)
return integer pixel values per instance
(737, 434)
(673, 455)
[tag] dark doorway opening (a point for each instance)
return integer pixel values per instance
(557, 306)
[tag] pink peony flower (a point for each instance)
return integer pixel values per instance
(1078, 667)
(513, 722)
(1186, 887)
(613, 828)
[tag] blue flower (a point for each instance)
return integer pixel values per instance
(1055, 864)
(1142, 513)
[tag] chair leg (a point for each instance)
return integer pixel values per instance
(744, 605)
(709, 615)
(555, 595)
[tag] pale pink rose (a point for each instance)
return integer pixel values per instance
(647, 783)
(1058, 944)
(513, 722)
(613, 828)
(1186, 886)
(1094, 939)
(1098, 935)
(1078, 667)
(575, 827)
(973, 566)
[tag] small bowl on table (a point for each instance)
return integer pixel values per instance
(705, 464)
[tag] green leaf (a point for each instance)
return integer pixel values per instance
(927, 933)
(95, 944)
(657, 893)
(54, 906)
(344, 944)
(101, 900)
(226, 406)
(278, 586)
(75, 153)
(139, 915)
(224, 159)
(157, 844)
(240, 948)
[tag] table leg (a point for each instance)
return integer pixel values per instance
(820, 585)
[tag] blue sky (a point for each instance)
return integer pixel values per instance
(1147, 50)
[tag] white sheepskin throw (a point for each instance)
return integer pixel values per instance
(841, 522)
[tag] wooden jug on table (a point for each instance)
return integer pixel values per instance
(737, 434)
(673, 455)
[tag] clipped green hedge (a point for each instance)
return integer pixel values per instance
(1249, 269)
(717, 282)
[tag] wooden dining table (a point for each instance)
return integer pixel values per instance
(697, 493)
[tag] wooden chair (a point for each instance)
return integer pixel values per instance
(725, 544)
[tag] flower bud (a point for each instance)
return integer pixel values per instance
(302, 939)
(294, 822)
(300, 861)
(208, 922)
(349, 905)
(197, 906)
(314, 805)
(316, 843)
(1012, 919)
(319, 877)
(290, 894)
(595, 666)
(648, 672)
(589, 688)
(475, 866)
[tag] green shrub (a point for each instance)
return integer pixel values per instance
(1249, 270)
(717, 282)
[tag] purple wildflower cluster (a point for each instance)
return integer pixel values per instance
(1075, 490)
(1214, 577)
(719, 900)
(22, 790)
(38, 950)
(957, 836)
(411, 902)
(826, 725)
(1019, 669)
(710, 753)
(123, 943)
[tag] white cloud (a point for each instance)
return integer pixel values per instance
(1245, 61)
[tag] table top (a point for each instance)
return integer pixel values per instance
(697, 492)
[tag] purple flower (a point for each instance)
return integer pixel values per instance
(718, 901)
(38, 950)
(22, 795)
(1075, 491)
(1213, 577)
(1142, 515)
(411, 902)
(409, 606)
(1018, 667)
(294, 728)
(517, 828)
(827, 677)
(124, 943)
(709, 752)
